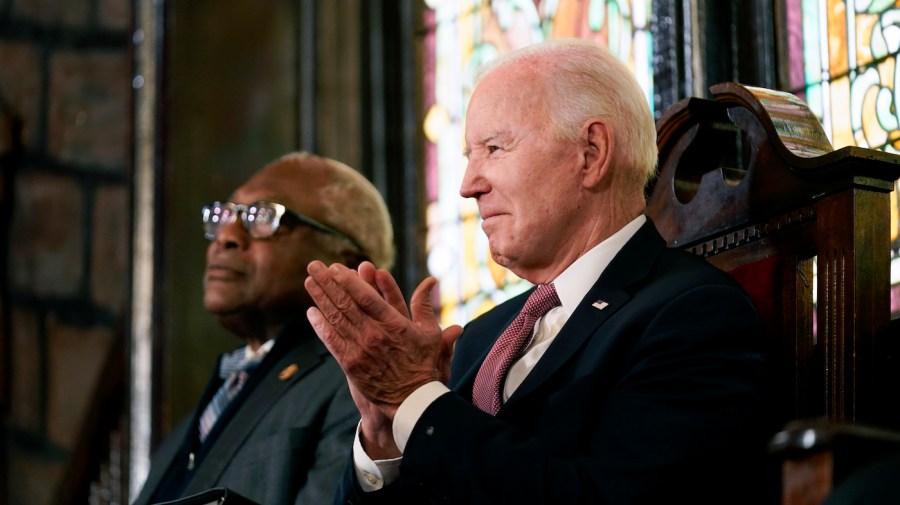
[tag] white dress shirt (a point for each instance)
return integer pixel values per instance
(572, 285)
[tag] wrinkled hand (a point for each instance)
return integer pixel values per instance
(376, 433)
(386, 350)
(376, 428)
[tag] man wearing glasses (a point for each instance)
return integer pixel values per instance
(276, 419)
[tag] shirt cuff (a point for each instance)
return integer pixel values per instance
(411, 410)
(373, 475)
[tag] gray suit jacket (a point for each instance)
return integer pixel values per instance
(284, 439)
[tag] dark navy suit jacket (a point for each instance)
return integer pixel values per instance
(656, 397)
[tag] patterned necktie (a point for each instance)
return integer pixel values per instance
(486, 393)
(234, 381)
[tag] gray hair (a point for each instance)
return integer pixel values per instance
(586, 80)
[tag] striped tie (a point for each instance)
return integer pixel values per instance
(229, 389)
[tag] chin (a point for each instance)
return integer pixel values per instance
(216, 306)
(500, 259)
(214, 309)
(511, 262)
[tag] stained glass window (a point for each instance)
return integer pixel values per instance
(844, 64)
(462, 35)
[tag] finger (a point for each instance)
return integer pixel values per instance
(386, 286)
(335, 305)
(354, 308)
(420, 303)
(342, 287)
(450, 335)
(367, 299)
(367, 272)
(332, 340)
(389, 289)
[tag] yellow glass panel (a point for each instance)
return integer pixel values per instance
(886, 72)
(471, 285)
(874, 134)
(837, 38)
(865, 24)
(895, 214)
(565, 21)
(842, 131)
(484, 307)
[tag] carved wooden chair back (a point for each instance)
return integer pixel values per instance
(749, 180)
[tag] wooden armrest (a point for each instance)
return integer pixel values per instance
(819, 455)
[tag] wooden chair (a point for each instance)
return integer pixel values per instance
(748, 180)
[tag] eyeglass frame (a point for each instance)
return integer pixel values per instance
(280, 211)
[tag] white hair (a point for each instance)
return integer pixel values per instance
(586, 80)
(353, 204)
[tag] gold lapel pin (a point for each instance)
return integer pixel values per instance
(599, 305)
(288, 372)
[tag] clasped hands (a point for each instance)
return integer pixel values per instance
(386, 349)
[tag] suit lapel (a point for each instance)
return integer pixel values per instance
(462, 384)
(604, 299)
(168, 452)
(289, 369)
(178, 443)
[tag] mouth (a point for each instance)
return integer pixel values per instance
(222, 273)
(490, 217)
(488, 214)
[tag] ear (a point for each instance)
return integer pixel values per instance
(597, 153)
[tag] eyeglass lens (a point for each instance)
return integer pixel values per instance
(260, 219)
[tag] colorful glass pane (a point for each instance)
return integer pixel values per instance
(461, 36)
(846, 52)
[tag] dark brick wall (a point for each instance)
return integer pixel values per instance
(65, 149)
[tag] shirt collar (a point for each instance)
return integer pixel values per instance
(242, 358)
(575, 281)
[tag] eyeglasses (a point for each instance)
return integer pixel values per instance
(261, 220)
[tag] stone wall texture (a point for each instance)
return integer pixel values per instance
(65, 228)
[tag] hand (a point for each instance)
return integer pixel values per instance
(376, 433)
(384, 282)
(376, 429)
(385, 349)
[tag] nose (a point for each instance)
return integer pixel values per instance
(473, 184)
(232, 235)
